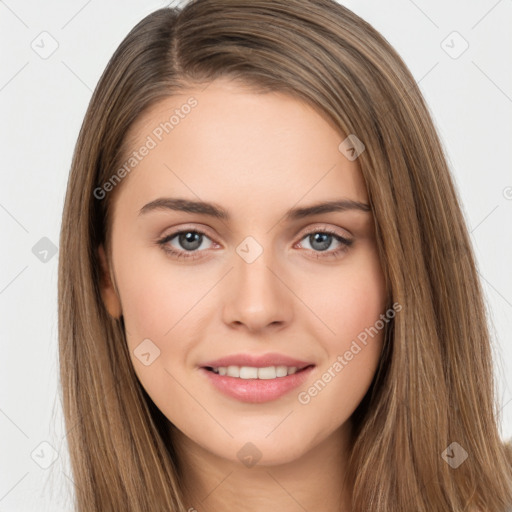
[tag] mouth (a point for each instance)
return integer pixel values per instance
(256, 385)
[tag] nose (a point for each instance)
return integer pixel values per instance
(257, 296)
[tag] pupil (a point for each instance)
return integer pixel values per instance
(323, 240)
(190, 241)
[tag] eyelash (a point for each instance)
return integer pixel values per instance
(345, 244)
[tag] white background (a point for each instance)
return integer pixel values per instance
(43, 102)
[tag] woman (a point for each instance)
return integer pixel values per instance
(267, 290)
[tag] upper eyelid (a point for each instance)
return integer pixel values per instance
(316, 228)
(305, 231)
(347, 240)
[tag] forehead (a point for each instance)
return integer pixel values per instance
(225, 140)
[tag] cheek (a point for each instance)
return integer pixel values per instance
(353, 344)
(349, 301)
(156, 301)
(157, 307)
(148, 309)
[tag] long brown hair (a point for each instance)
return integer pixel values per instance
(434, 385)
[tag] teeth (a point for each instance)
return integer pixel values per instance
(250, 372)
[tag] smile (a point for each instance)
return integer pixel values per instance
(256, 385)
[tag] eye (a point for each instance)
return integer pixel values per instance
(188, 243)
(320, 240)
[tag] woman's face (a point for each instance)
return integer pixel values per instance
(217, 253)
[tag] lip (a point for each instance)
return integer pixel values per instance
(257, 390)
(257, 361)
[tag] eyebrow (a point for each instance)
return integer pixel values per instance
(212, 210)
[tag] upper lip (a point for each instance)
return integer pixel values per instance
(256, 361)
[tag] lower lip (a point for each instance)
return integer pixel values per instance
(257, 390)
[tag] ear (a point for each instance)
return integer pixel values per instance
(108, 290)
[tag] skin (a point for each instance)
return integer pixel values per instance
(255, 155)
